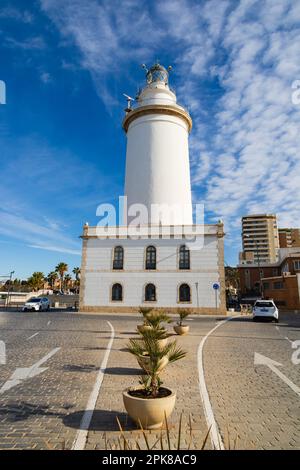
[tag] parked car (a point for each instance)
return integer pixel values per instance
(265, 309)
(37, 304)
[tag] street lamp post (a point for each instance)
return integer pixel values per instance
(197, 284)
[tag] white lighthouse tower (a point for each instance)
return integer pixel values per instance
(160, 267)
(157, 158)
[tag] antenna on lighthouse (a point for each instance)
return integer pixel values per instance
(129, 101)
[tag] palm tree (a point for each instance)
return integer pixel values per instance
(61, 269)
(51, 278)
(36, 280)
(76, 271)
(67, 280)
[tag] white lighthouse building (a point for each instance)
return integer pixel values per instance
(158, 153)
(157, 257)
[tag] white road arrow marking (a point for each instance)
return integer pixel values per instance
(260, 360)
(32, 336)
(2, 353)
(23, 373)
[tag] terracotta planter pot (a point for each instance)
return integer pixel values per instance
(181, 330)
(149, 412)
(145, 360)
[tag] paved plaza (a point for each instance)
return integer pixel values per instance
(53, 371)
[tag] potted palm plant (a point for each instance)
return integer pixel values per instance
(180, 328)
(155, 320)
(149, 404)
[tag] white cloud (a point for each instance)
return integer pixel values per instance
(35, 234)
(57, 249)
(45, 77)
(108, 35)
(12, 13)
(32, 43)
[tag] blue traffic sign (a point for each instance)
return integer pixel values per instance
(216, 286)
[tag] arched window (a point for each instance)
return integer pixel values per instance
(151, 257)
(117, 293)
(184, 257)
(150, 293)
(118, 257)
(184, 293)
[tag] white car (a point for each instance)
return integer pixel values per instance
(37, 304)
(265, 309)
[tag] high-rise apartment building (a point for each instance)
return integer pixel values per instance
(260, 238)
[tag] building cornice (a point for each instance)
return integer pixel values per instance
(153, 231)
(157, 109)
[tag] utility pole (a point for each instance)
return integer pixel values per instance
(9, 288)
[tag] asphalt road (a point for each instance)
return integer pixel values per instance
(52, 360)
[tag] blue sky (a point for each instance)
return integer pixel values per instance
(62, 148)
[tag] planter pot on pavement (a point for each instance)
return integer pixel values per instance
(149, 412)
(181, 330)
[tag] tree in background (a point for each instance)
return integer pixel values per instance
(52, 278)
(36, 281)
(232, 278)
(67, 281)
(76, 271)
(61, 269)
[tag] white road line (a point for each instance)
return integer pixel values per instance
(32, 336)
(215, 436)
(82, 433)
(285, 337)
(2, 353)
(48, 322)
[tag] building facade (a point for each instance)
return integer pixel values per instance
(119, 274)
(284, 290)
(289, 237)
(260, 238)
(259, 280)
(166, 261)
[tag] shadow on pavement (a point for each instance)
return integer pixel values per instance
(22, 411)
(102, 420)
(123, 371)
(80, 368)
